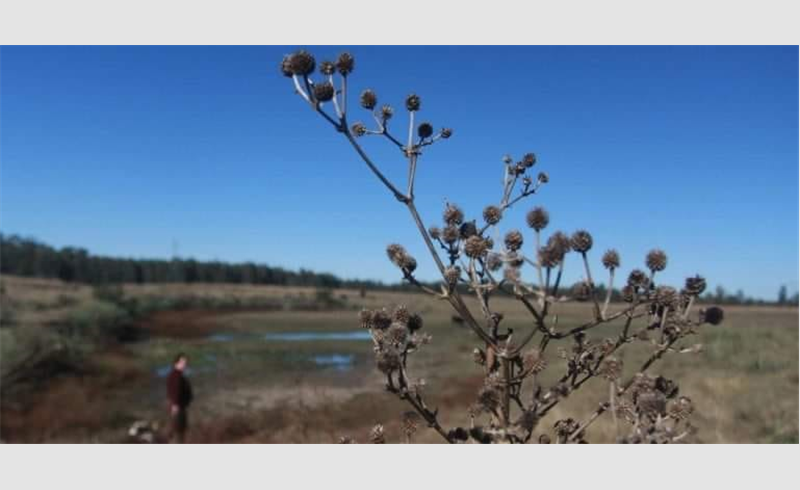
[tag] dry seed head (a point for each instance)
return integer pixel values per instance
(513, 240)
(411, 422)
(638, 278)
(358, 129)
(425, 130)
(549, 257)
(666, 297)
(286, 66)
(628, 293)
(365, 318)
(489, 398)
(560, 243)
(681, 408)
(611, 369)
(538, 218)
(302, 63)
(380, 319)
(652, 403)
(494, 262)
(397, 333)
(447, 133)
(396, 253)
(323, 92)
(529, 160)
(492, 215)
(387, 360)
(713, 315)
(475, 247)
(368, 99)
(345, 64)
(695, 285)
(401, 314)
(656, 260)
(435, 232)
(415, 323)
(581, 241)
(453, 215)
(327, 68)
(611, 259)
(377, 435)
(468, 229)
(543, 177)
(413, 102)
(451, 234)
(452, 274)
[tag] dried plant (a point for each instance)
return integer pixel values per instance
(472, 259)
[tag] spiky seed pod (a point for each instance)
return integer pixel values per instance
(666, 297)
(695, 285)
(549, 257)
(478, 357)
(387, 360)
(413, 102)
(345, 64)
(494, 262)
(302, 63)
(475, 247)
(396, 252)
(581, 241)
(513, 240)
(359, 129)
(681, 408)
(409, 264)
(397, 333)
(543, 178)
(713, 315)
(323, 92)
(435, 232)
(492, 215)
(387, 112)
(368, 99)
(581, 291)
(327, 68)
(533, 361)
(666, 386)
(453, 214)
(414, 322)
(628, 293)
(447, 133)
(611, 369)
(538, 218)
(452, 274)
(401, 314)
(489, 242)
(450, 234)
(286, 66)
(656, 260)
(377, 435)
(468, 229)
(489, 398)
(529, 160)
(365, 318)
(560, 242)
(611, 259)
(425, 130)
(652, 403)
(638, 278)
(381, 319)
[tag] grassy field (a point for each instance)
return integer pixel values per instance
(256, 384)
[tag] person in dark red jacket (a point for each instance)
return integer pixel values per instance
(179, 397)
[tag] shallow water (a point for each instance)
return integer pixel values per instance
(340, 362)
(306, 336)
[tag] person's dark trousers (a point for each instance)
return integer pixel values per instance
(180, 423)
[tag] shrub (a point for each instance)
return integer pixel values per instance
(469, 261)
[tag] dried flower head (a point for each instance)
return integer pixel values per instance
(513, 240)
(358, 129)
(713, 315)
(611, 259)
(401, 258)
(453, 214)
(581, 241)
(494, 262)
(467, 229)
(425, 130)
(451, 234)
(638, 278)
(628, 293)
(302, 63)
(538, 218)
(401, 314)
(413, 102)
(543, 178)
(397, 333)
(475, 247)
(611, 368)
(323, 92)
(529, 160)
(286, 66)
(656, 260)
(435, 232)
(327, 68)
(387, 360)
(492, 215)
(695, 285)
(667, 297)
(368, 99)
(452, 274)
(447, 133)
(345, 63)
(386, 112)
(411, 422)
(414, 322)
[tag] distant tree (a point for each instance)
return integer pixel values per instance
(782, 295)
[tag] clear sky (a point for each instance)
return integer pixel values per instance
(125, 150)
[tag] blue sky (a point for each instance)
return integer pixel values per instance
(124, 150)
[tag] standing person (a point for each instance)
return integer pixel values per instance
(179, 397)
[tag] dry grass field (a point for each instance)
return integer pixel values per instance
(269, 374)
